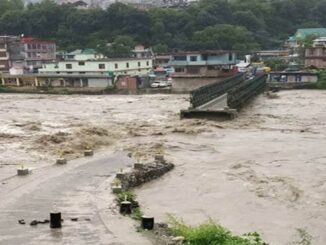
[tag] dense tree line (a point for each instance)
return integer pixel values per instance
(210, 24)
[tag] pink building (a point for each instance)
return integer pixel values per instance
(315, 57)
(37, 52)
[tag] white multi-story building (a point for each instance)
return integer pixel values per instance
(129, 66)
(94, 73)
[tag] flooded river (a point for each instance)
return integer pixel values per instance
(264, 171)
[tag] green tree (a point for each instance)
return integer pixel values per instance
(248, 20)
(160, 48)
(120, 48)
(227, 37)
(276, 64)
(319, 13)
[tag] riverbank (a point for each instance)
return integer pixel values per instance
(84, 91)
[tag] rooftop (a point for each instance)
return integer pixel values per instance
(31, 40)
(83, 51)
(105, 60)
(303, 33)
(321, 39)
(208, 52)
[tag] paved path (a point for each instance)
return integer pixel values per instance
(79, 189)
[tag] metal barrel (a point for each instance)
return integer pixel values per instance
(55, 220)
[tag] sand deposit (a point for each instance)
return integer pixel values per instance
(264, 171)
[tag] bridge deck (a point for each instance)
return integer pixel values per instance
(221, 100)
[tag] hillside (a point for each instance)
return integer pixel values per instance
(242, 26)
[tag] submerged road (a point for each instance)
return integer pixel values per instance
(79, 189)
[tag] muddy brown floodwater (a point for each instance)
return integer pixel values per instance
(264, 171)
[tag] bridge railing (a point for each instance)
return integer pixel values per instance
(209, 92)
(242, 93)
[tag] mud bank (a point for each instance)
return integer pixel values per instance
(264, 171)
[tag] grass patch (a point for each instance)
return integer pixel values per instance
(137, 214)
(210, 233)
(304, 237)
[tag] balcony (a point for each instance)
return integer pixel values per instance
(200, 63)
(316, 56)
(178, 63)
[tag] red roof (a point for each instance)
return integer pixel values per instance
(31, 40)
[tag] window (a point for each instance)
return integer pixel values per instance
(138, 63)
(311, 52)
(116, 66)
(210, 68)
(230, 56)
(147, 63)
(193, 70)
(127, 64)
(34, 46)
(3, 54)
(81, 63)
(179, 69)
(193, 58)
(82, 72)
(3, 63)
(101, 66)
(181, 58)
(2, 45)
(68, 66)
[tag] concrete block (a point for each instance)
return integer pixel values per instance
(117, 189)
(61, 161)
(159, 158)
(88, 153)
(23, 171)
(120, 175)
(139, 166)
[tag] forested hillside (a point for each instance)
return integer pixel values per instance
(211, 24)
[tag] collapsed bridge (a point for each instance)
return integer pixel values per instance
(223, 99)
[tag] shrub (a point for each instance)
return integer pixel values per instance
(127, 196)
(212, 234)
(276, 64)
